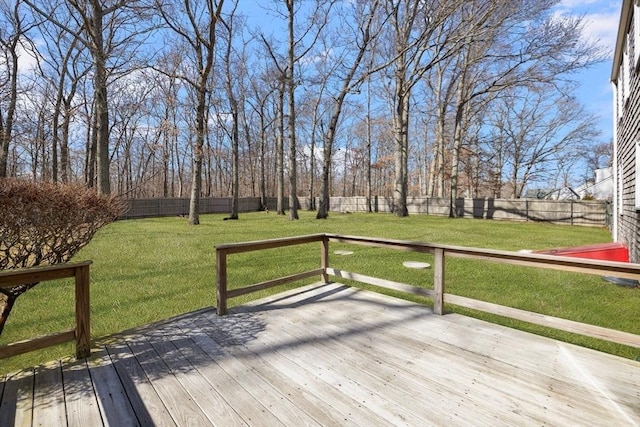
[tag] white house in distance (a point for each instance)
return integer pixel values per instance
(625, 79)
(600, 188)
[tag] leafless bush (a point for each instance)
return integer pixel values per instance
(46, 223)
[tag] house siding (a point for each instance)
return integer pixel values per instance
(628, 135)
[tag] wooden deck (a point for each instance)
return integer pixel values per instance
(328, 355)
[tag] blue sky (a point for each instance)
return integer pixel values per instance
(602, 19)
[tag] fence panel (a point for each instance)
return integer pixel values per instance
(575, 212)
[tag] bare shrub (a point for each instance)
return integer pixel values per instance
(46, 223)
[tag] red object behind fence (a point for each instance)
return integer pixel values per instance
(601, 251)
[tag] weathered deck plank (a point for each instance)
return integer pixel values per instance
(16, 407)
(503, 372)
(318, 400)
(175, 397)
(206, 387)
(145, 401)
(250, 389)
(490, 381)
(329, 355)
(80, 400)
(48, 396)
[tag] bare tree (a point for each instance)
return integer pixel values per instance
(597, 156)
(13, 39)
(361, 33)
(421, 35)
(232, 98)
(254, 125)
(300, 41)
(510, 46)
(104, 29)
(195, 23)
(167, 114)
(540, 129)
(63, 64)
(262, 90)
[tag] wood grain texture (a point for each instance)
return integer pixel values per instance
(80, 400)
(81, 333)
(48, 397)
(330, 355)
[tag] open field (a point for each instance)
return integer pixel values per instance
(151, 269)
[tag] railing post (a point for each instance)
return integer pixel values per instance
(83, 310)
(221, 281)
(438, 281)
(324, 258)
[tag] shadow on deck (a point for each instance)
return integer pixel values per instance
(328, 355)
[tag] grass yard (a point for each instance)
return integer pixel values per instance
(151, 269)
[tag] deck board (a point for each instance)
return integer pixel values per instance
(16, 407)
(250, 387)
(328, 355)
(496, 381)
(48, 396)
(145, 401)
(315, 398)
(81, 404)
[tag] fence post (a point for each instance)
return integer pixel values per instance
(438, 281)
(221, 281)
(571, 211)
(324, 258)
(83, 324)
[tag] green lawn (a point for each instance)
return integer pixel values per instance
(150, 269)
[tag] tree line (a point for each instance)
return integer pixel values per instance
(305, 98)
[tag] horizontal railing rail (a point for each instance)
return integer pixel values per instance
(82, 331)
(437, 294)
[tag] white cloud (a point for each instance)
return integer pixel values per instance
(573, 4)
(27, 59)
(603, 27)
(601, 19)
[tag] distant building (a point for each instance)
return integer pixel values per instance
(601, 188)
(565, 193)
(626, 140)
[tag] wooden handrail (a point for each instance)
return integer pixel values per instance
(438, 294)
(222, 251)
(82, 331)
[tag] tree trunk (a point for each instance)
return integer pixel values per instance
(263, 144)
(235, 163)
(461, 110)
(312, 169)
(198, 153)
(65, 163)
(369, 191)
(101, 100)
(90, 159)
(293, 174)
(280, 152)
(401, 137)
(323, 206)
(6, 127)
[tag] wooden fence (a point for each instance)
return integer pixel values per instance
(574, 212)
(82, 331)
(438, 293)
(145, 208)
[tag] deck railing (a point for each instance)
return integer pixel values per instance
(438, 293)
(82, 331)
